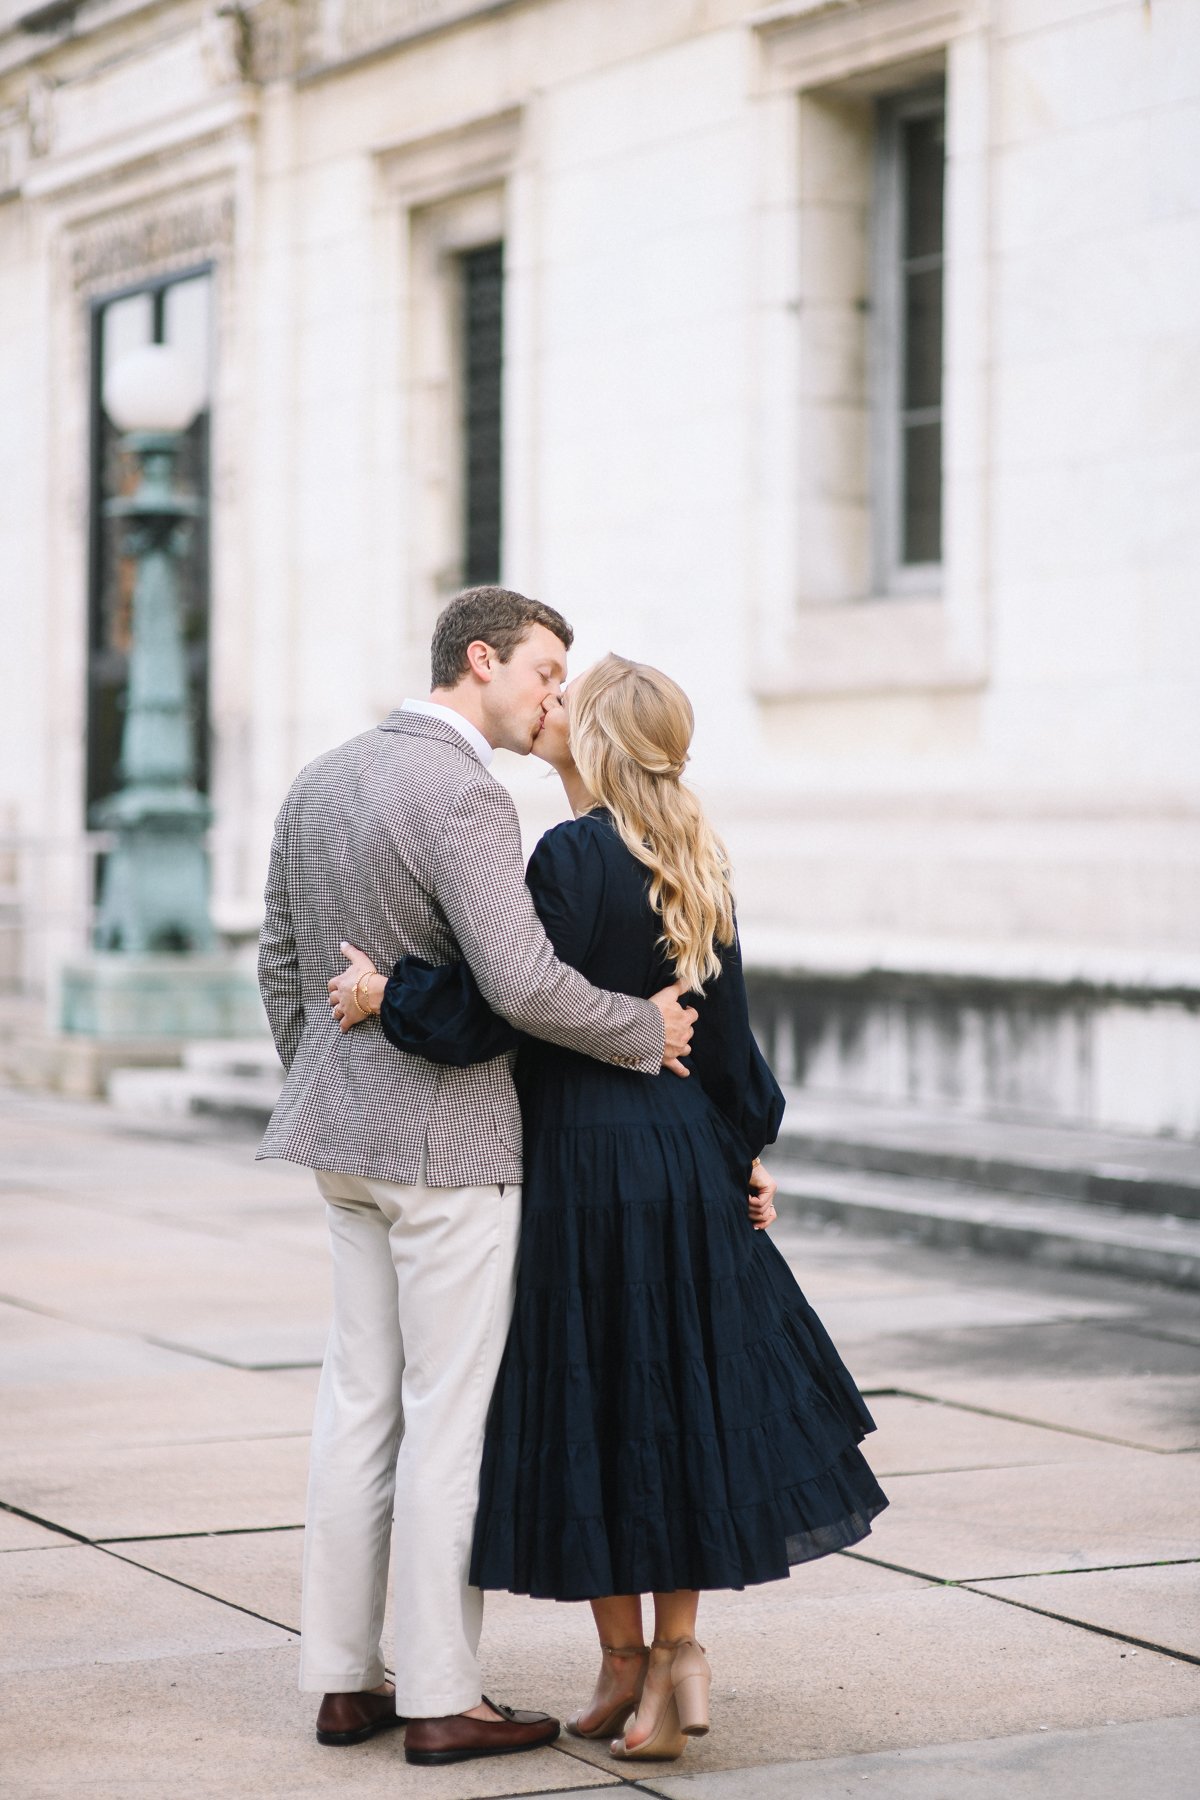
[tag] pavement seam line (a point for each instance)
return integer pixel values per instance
(1021, 1575)
(1163, 1562)
(224, 1362)
(1105, 1631)
(172, 1537)
(21, 1512)
(137, 1337)
(958, 1469)
(132, 1562)
(275, 1437)
(967, 1584)
(633, 1782)
(990, 1412)
(581, 1761)
(203, 1228)
(595, 1787)
(175, 1580)
(877, 1562)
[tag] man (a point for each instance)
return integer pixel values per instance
(402, 842)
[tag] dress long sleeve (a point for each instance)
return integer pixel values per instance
(727, 1061)
(437, 1011)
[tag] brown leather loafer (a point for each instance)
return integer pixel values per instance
(353, 1718)
(460, 1737)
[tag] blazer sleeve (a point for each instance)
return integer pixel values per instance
(479, 880)
(278, 961)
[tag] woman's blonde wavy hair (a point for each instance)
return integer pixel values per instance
(630, 727)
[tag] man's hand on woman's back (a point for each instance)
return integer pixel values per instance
(678, 1023)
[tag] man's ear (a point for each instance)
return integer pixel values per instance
(481, 658)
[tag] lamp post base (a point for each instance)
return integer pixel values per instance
(165, 998)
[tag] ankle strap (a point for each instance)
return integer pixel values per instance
(625, 1649)
(676, 1643)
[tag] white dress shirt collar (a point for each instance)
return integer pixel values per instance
(433, 710)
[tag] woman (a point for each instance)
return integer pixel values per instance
(670, 1415)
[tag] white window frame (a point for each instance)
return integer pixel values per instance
(439, 196)
(821, 629)
(437, 452)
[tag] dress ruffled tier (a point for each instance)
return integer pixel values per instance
(670, 1412)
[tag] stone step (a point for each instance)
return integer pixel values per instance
(232, 1057)
(1009, 1190)
(1068, 1233)
(186, 1093)
(1135, 1174)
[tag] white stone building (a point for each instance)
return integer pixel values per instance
(841, 356)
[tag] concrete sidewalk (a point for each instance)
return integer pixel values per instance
(1024, 1620)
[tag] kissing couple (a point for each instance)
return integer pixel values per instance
(565, 1358)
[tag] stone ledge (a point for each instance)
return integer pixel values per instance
(966, 964)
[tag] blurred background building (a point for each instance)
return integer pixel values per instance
(840, 356)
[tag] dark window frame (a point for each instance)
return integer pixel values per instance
(481, 306)
(894, 420)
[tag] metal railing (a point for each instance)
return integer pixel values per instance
(47, 890)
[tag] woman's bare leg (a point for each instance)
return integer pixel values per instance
(619, 1619)
(618, 1624)
(674, 1617)
(675, 1614)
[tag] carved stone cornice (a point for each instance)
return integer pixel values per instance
(336, 32)
(174, 231)
(259, 40)
(806, 43)
(470, 154)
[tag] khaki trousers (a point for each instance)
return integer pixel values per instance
(422, 1297)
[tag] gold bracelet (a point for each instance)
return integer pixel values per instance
(363, 1008)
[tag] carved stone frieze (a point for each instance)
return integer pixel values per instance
(332, 31)
(169, 233)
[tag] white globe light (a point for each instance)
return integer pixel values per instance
(153, 388)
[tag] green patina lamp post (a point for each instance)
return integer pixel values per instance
(154, 890)
(156, 972)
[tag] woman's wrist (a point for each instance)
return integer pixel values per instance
(368, 993)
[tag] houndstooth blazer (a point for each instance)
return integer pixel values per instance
(400, 841)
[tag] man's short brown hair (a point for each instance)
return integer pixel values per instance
(493, 615)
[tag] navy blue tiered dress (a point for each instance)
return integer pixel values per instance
(670, 1412)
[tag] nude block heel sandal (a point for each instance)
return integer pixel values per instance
(691, 1678)
(683, 1697)
(617, 1718)
(665, 1743)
